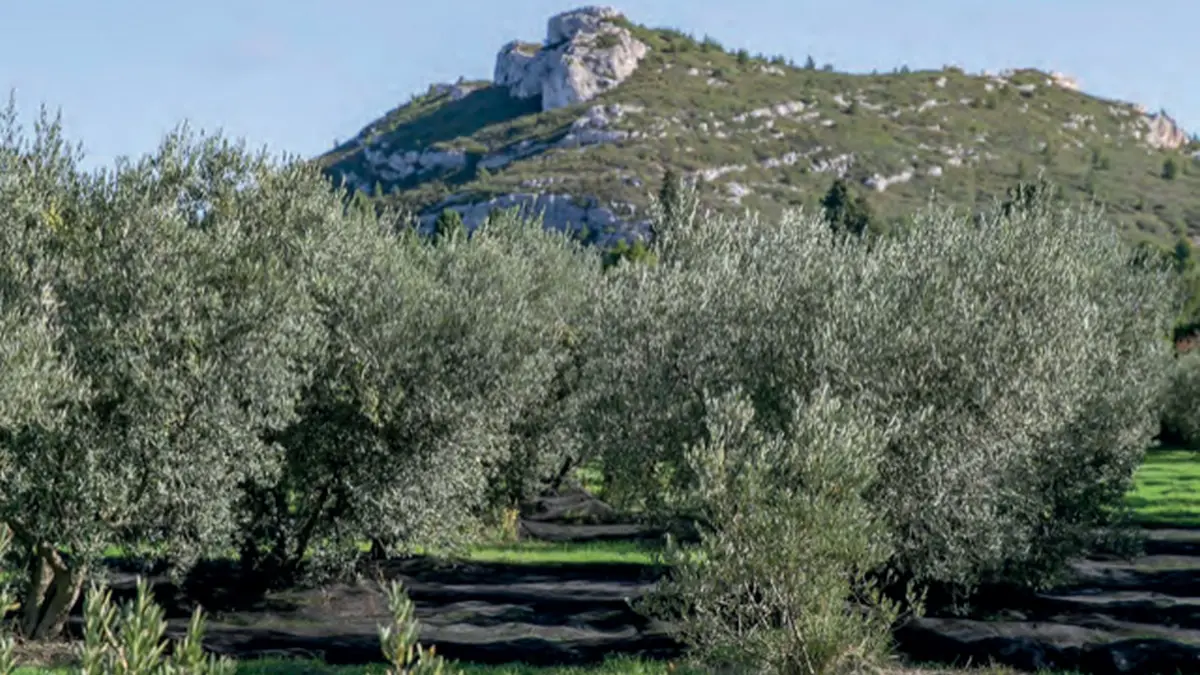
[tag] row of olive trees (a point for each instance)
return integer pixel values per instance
(205, 349)
(211, 349)
(962, 402)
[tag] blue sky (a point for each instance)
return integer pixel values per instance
(295, 75)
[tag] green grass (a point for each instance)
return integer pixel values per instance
(1167, 488)
(538, 552)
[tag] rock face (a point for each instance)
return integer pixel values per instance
(1065, 81)
(557, 211)
(585, 54)
(401, 165)
(1162, 132)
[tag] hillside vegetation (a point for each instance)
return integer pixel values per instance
(764, 134)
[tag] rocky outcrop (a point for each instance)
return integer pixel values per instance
(563, 212)
(1064, 81)
(586, 53)
(401, 165)
(457, 90)
(1162, 132)
(594, 127)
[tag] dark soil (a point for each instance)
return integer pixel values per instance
(1115, 616)
(486, 613)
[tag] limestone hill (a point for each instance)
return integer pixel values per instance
(582, 127)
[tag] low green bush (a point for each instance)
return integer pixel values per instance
(787, 539)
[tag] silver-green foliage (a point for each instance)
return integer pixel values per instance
(399, 642)
(435, 354)
(129, 640)
(787, 541)
(179, 286)
(1181, 406)
(1019, 358)
(8, 659)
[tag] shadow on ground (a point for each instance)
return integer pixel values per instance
(1115, 616)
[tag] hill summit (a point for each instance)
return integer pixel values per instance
(581, 127)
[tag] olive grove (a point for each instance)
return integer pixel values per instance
(1017, 359)
(208, 348)
(179, 292)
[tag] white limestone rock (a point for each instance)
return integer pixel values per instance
(879, 183)
(585, 55)
(563, 212)
(401, 165)
(1063, 81)
(1163, 133)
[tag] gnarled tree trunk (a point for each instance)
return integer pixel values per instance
(54, 588)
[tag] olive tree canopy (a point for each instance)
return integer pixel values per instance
(181, 305)
(1016, 357)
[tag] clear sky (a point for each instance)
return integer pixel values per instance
(295, 75)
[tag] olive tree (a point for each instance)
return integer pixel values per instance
(781, 608)
(180, 291)
(1019, 356)
(438, 358)
(1181, 416)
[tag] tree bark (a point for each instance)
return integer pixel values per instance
(40, 577)
(54, 590)
(67, 588)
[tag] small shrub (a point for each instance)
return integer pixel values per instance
(607, 40)
(129, 640)
(847, 212)
(449, 224)
(1170, 169)
(399, 640)
(711, 44)
(799, 604)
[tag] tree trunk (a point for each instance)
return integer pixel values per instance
(54, 590)
(67, 588)
(40, 577)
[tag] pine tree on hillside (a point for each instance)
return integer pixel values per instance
(669, 194)
(1170, 169)
(846, 211)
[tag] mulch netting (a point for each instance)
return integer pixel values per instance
(1115, 616)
